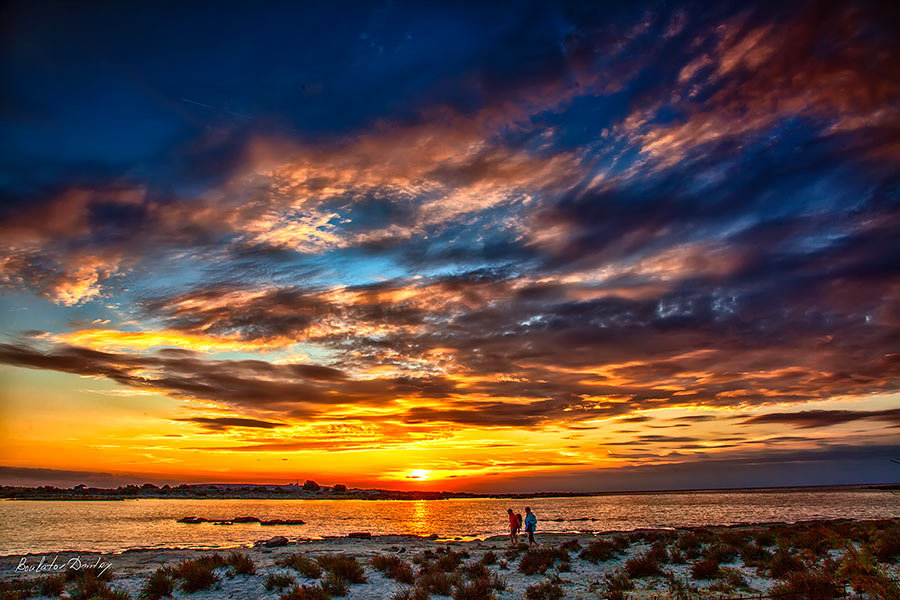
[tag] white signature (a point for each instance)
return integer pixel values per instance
(74, 564)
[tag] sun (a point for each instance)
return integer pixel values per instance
(419, 474)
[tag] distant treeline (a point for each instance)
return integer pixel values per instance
(310, 489)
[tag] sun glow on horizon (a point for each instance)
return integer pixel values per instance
(418, 474)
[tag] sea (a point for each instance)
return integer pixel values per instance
(116, 526)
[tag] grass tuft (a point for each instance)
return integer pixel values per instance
(305, 592)
(393, 567)
(159, 585)
(538, 560)
(240, 564)
(599, 551)
(277, 582)
(343, 566)
(644, 565)
(302, 564)
(544, 591)
(707, 568)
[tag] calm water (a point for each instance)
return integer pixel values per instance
(115, 526)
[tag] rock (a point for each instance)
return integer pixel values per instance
(283, 522)
(275, 542)
(360, 535)
(191, 520)
(245, 520)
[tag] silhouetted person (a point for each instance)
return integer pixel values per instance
(530, 524)
(513, 527)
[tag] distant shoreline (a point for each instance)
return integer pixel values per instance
(296, 492)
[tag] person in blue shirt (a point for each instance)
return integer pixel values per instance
(530, 524)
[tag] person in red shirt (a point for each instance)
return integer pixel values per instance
(513, 527)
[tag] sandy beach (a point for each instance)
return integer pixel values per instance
(751, 559)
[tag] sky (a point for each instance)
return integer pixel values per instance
(463, 246)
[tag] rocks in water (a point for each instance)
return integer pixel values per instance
(283, 522)
(192, 520)
(247, 519)
(275, 542)
(361, 535)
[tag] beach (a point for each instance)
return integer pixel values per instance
(745, 559)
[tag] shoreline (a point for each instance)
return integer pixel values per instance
(580, 564)
(301, 540)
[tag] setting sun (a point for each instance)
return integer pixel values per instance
(419, 474)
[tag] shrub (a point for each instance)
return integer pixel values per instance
(90, 586)
(887, 544)
(754, 555)
(571, 545)
(240, 564)
(450, 561)
(734, 577)
(436, 582)
(302, 564)
(305, 592)
(859, 568)
(706, 568)
(676, 556)
(277, 582)
(415, 593)
(196, 575)
(689, 541)
(679, 589)
(514, 552)
(489, 558)
(721, 553)
(393, 567)
(808, 584)
(765, 538)
(213, 561)
(622, 542)
(642, 566)
(734, 537)
(544, 591)
(599, 550)
(335, 585)
(477, 589)
(538, 560)
(51, 585)
(658, 552)
(16, 590)
(476, 570)
(159, 585)
(616, 584)
(343, 566)
(783, 563)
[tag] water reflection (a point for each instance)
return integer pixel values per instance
(115, 526)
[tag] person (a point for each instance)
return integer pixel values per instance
(530, 524)
(513, 528)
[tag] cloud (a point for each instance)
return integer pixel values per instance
(226, 423)
(824, 418)
(626, 210)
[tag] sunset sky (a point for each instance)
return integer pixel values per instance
(486, 246)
